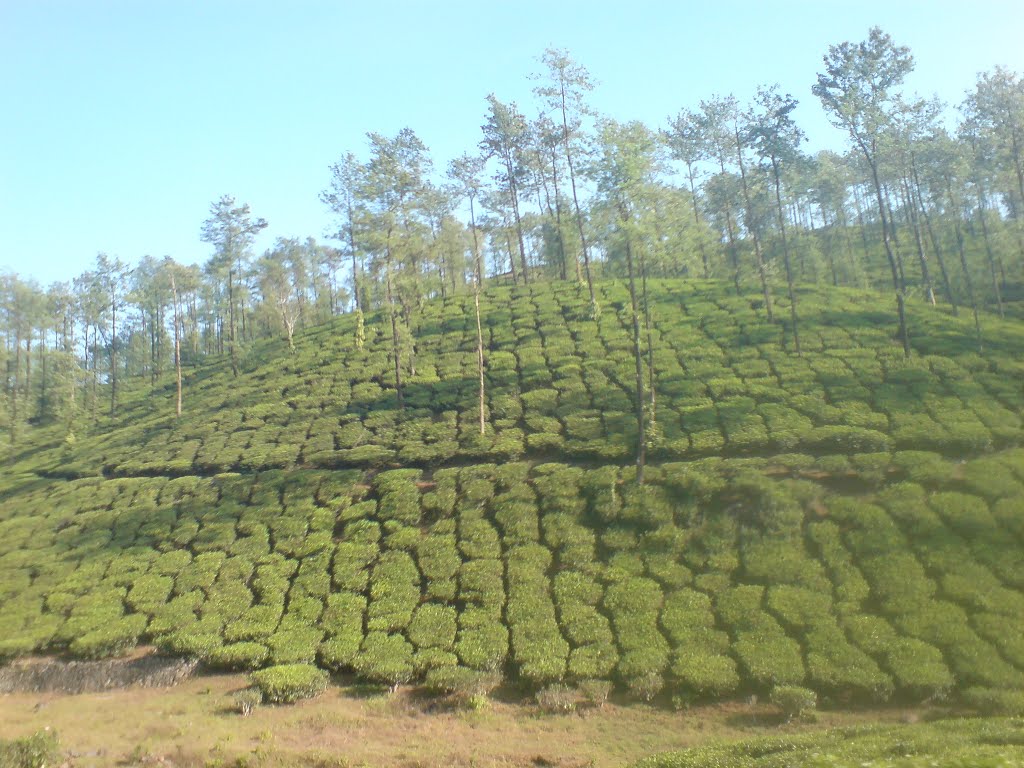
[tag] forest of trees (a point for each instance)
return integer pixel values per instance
(926, 203)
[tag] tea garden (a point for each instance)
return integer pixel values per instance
(846, 521)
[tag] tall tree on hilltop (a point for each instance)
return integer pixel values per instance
(150, 295)
(831, 179)
(717, 116)
(996, 107)
(465, 171)
(394, 179)
(856, 90)
(978, 154)
(624, 172)
(916, 128)
(341, 198)
(23, 303)
(776, 140)
(506, 135)
(180, 279)
(751, 211)
(281, 291)
(567, 84)
(111, 278)
(545, 166)
(230, 229)
(689, 145)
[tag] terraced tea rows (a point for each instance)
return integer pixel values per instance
(845, 520)
(559, 386)
(717, 577)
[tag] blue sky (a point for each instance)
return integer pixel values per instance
(123, 121)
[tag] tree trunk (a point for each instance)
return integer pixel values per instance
(14, 391)
(989, 253)
(478, 283)
(28, 374)
(828, 232)
(963, 263)
(863, 225)
(395, 348)
(785, 257)
(696, 219)
(731, 237)
(113, 358)
(44, 384)
(752, 231)
(943, 272)
(231, 326)
(514, 193)
(897, 280)
(915, 225)
(177, 348)
(511, 256)
(564, 256)
(641, 444)
(575, 198)
(650, 338)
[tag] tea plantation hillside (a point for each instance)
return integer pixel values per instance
(845, 520)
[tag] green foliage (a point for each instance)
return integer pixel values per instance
(385, 658)
(110, 639)
(40, 750)
(793, 700)
(289, 683)
(238, 656)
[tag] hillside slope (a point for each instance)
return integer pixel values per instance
(846, 520)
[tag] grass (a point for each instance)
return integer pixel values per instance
(194, 725)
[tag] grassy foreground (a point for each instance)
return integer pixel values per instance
(194, 726)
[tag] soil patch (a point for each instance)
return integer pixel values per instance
(52, 675)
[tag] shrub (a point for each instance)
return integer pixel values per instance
(918, 668)
(556, 699)
(426, 659)
(394, 592)
(40, 750)
(833, 664)
(294, 644)
(110, 639)
(385, 658)
(991, 701)
(257, 623)
(798, 607)
(246, 700)
(595, 693)
(288, 683)
(433, 626)
(189, 642)
(770, 657)
(593, 661)
(705, 672)
(482, 646)
(794, 701)
(238, 656)
(399, 497)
